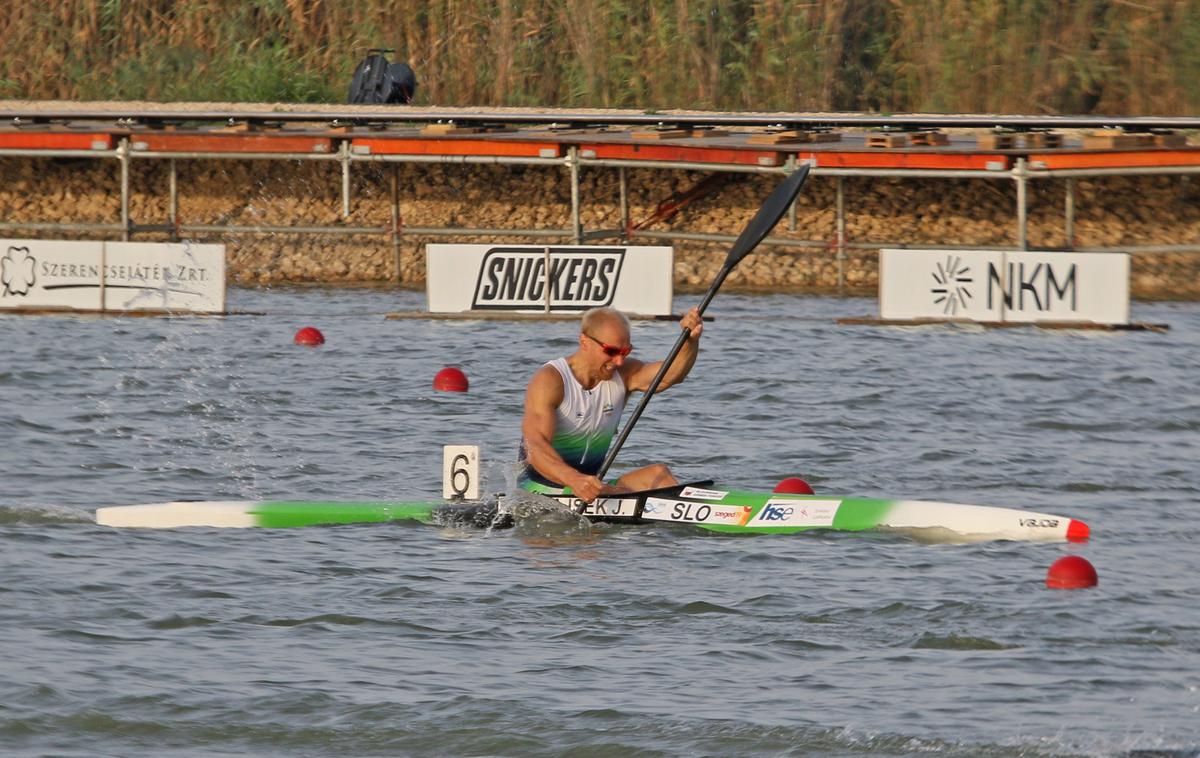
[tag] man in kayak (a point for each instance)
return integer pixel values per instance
(573, 406)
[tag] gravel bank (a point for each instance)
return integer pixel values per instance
(1109, 212)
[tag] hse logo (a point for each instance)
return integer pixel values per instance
(782, 512)
(516, 278)
(779, 513)
(18, 271)
(951, 280)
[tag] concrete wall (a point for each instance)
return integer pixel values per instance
(1109, 212)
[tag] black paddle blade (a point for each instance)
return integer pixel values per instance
(768, 216)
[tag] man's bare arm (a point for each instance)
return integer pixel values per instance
(638, 375)
(542, 398)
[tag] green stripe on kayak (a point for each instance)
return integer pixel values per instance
(857, 515)
(282, 513)
(853, 514)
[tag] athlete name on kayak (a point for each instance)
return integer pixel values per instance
(605, 506)
(509, 277)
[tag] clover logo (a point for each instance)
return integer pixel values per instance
(17, 271)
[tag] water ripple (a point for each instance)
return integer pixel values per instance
(558, 637)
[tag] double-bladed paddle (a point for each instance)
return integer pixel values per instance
(758, 228)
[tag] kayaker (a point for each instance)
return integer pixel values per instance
(573, 406)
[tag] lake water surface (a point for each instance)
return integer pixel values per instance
(557, 638)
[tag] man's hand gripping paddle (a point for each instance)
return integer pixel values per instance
(758, 228)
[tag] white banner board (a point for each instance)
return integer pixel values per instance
(111, 276)
(936, 284)
(164, 276)
(1048, 286)
(50, 274)
(634, 279)
(992, 285)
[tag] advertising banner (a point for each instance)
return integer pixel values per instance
(556, 278)
(992, 285)
(937, 284)
(181, 276)
(111, 276)
(50, 274)
(1088, 287)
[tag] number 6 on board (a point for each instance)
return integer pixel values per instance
(460, 472)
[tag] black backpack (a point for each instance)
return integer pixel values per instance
(377, 82)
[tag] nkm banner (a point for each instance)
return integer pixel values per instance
(993, 285)
(557, 278)
(111, 276)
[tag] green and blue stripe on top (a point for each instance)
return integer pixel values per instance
(586, 421)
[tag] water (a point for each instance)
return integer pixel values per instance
(557, 638)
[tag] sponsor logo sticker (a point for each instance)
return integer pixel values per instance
(785, 512)
(654, 507)
(1039, 523)
(703, 494)
(682, 511)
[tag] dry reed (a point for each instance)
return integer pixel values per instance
(1027, 56)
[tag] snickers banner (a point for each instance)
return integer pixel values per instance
(556, 278)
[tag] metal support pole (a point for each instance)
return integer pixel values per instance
(546, 277)
(396, 221)
(576, 222)
(1070, 213)
(841, 233)
(1021, 176)
(345, 159)
(623, 183)
(791, 169)
(173, 210)
(103, 277)
(123, 157)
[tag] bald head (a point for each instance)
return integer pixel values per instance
(596, 318)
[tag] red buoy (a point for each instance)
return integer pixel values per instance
(450, 379)
(310, 337)
(794, 485)
(1071, 573)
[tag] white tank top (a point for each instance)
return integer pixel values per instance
(586, 419)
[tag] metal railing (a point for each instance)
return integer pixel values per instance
(573, 162)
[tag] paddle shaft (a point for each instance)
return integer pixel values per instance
(755, 231)
(658, 377)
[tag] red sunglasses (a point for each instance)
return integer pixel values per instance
(612, 351)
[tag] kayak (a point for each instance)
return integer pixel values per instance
(697, 504)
